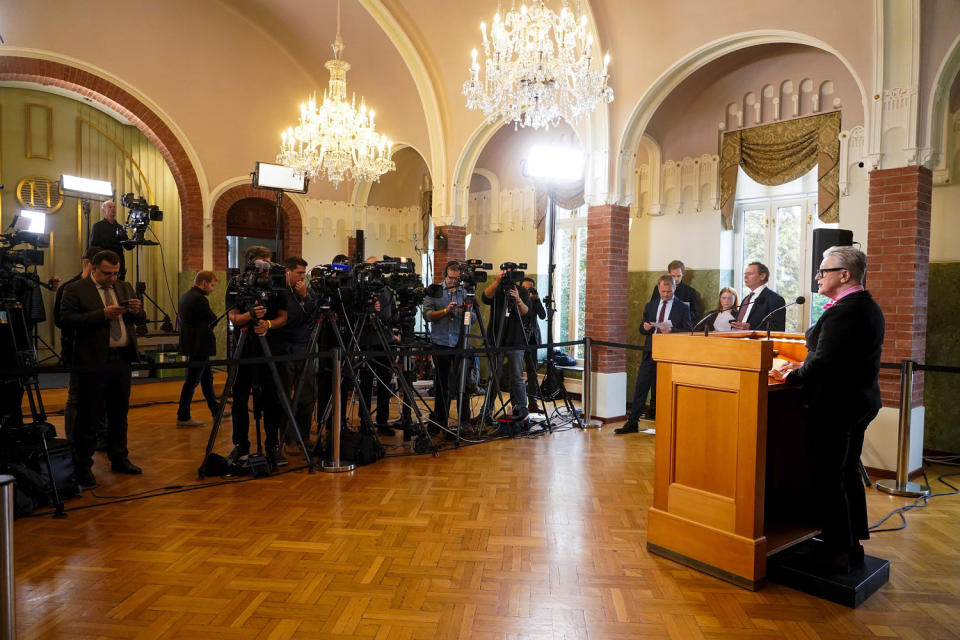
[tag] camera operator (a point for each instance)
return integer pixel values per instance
(443, 308)
(382, 364)
(293, 336)
(260, 319)
(71, 409)
(108, 234)
(532, 330)
(509, 303)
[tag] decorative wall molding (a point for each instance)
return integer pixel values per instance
(785, 101)
(851, 153)
(517, 211)
(690, 185)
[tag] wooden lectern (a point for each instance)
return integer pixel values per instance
(731, 477)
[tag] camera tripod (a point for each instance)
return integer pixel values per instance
(232, 370)
(16, 347)
(140, 287)
(408, 394)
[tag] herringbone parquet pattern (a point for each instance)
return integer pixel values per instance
(525, 538)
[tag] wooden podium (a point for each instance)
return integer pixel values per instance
(725, 435)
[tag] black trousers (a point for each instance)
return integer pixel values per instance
(291, 371)
(103, 396)
(204, 377)
(835, 448)
(646, 380)
(446, 389)
(265, 400)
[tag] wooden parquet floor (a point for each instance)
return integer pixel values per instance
(526, 538)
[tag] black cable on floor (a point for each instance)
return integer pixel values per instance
(918, 503)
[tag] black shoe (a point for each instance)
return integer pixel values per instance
(86, 478)
(384, 430)
(627, 428)
(276, 458)
(649, 415)
(101, 445)
(239, 454)
(125, 466)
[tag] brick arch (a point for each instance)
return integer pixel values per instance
(76, 80)
(292, 228)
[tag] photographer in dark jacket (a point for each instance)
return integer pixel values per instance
(293, 336)
(198, 343)
(532, 329)
(508, 304)
(108, 234)
(259, 320)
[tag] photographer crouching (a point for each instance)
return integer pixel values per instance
(259, 314)
(508, 304)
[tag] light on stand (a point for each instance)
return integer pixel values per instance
(32, 221)
(278, 178)
(85, 189)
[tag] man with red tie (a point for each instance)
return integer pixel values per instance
(659, 316)
(761, 301)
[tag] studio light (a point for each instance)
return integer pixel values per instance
(32, 221)
(279, 177)
(556, 164)
(85, 188)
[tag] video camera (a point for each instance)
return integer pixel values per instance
(473, 272)
(15, 262)
(258, 283)
(141, 213)
(326, 280)
(514, 274)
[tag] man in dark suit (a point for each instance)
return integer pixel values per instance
(839, 377)
(759, 302)
(681, 291)
(198, 343)
(101, 312)
(659, 316)
(70, 409)
(108, 234)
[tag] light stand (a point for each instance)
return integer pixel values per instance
(280, 180)
(85, 190)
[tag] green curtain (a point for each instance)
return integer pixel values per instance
(774, 154)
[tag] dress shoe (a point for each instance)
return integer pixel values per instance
(384, 430)
(189, 423)
(125, 466)
(239, 454)
(627, 428)
(649, 414)
(275, 457)
(85, 477)
(101, 445)
(533, 408)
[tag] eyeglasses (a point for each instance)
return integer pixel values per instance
(820, 272)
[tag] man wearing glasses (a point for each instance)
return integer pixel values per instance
(839, 377)
(101, 312)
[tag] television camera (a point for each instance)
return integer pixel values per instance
(514, 274)
(258, 283)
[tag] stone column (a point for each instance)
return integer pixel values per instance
(608, 234)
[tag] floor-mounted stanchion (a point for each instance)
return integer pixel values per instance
(588, 422)
(8, 600)
(335, 465)
(902, 486)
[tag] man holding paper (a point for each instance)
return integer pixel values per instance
(659, 316)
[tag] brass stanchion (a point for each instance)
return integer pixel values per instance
(334, 465)
(8, 593)
(902, 486)
(588, 422)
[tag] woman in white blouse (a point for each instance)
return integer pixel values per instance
(724, 310)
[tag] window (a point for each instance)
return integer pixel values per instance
(570, 281)
(774, 225)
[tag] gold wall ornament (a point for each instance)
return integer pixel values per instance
(39, 193)
(45, 114)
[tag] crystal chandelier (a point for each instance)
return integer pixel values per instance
(335, 140)
(537, 69)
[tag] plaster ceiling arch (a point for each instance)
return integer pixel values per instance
(669, 80)
(938, 114)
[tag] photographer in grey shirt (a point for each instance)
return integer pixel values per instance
(443, 308)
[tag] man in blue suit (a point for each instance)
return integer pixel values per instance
(760, 302)
(659, 316)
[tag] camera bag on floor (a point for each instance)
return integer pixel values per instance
(360, 447)
(23, 445)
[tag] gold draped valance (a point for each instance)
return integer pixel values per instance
(775, 154)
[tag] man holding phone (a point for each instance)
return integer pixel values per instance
(443, 308)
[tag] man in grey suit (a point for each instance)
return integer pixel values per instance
(101, 312)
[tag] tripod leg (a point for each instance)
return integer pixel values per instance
(227, 388)
(285, 401)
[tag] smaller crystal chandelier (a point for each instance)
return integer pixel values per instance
(334, 140)
(537, 69)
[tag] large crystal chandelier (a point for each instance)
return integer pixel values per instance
(537, 68)
(334, 139)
